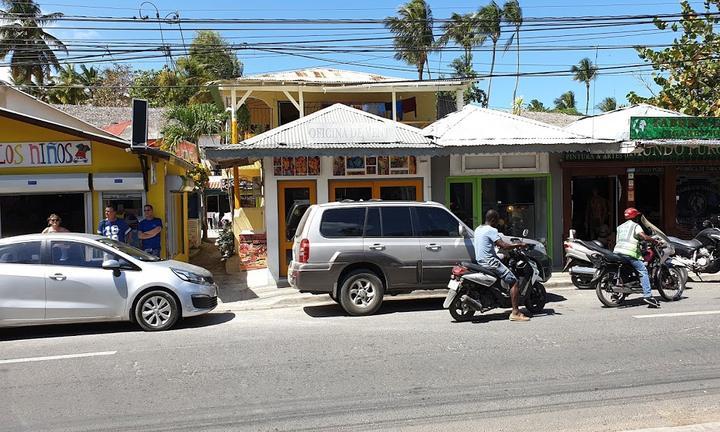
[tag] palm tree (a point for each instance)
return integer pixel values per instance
(536, 105)
(566, 101)
(585, 72)
(67, 88)
(32, 48)
(607, 104)
(89, 78)
(413, 34)
(512, 14)
(190, 122)
(489, 21)
(463, 30)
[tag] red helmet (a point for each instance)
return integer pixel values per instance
(631, 213)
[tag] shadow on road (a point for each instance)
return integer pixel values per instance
(554, 298)
(389, 306)
(65, 330)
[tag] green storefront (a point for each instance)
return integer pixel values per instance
(671, 174)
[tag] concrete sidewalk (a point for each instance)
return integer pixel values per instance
(256, 289)
(705, 427)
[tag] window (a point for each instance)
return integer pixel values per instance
(396, 222)
(436, 222)
(372, 224)
(66, 253)
(347, 222)
(20, 253)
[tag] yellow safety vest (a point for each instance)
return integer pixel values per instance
(628, 242)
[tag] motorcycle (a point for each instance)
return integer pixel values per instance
(577, 260)
(702, 253)
(473, 288)
(615, 278)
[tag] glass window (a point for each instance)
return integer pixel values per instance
(462, 202)
(398, 193)
(67, 253)
(347, 222)
(372, 223)
(396, 222)
(129, 250)
(521, 202)
(436, 222)
(20, 253)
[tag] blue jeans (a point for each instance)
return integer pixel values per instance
(639, 267)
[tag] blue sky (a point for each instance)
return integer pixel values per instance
(543, 88)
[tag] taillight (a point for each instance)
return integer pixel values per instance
(459, 271)
(567, 245)
(304, 254)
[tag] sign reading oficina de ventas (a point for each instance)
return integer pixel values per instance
(41, 154)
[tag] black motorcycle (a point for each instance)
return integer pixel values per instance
(702, 253)
(616, 278)
(474, 288)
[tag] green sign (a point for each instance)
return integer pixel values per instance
(660, 128)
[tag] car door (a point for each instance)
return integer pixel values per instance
(442, 243)
(22, 283)
(77, 285)
(389, 242)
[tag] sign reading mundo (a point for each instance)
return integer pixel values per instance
(665, 128)
(41, 154)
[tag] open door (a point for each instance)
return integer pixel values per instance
(294, 198)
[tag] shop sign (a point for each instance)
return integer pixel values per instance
(651, 152)
(41, 154)
(658, 128)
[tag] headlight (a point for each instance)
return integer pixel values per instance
(189, 276)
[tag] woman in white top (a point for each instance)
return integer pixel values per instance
(54, 225)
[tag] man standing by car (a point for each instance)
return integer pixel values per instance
(112, 227)
(150, 228)
(486, 238)
(627, 244)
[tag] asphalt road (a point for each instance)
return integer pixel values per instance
(576, 367)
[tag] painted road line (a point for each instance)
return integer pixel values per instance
(678, 314)
(57, 357)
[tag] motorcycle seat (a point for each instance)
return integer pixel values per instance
(593, 245)
(473, 266)
(612, 257)
(687, 244)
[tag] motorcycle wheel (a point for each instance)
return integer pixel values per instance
(459, 311)
(670, 284)
(605, 294)
(535, 302)
(580, 282)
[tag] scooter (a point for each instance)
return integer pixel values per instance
(577, 258)
(473, 288)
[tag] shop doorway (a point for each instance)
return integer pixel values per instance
(388, 190)
(648, 197)
(594, 207)
(294, 198)
(27, 214)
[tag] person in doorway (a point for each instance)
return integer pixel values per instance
(149, 231)
(54, 222)
(596, 213)
(113, 227)
(486, 238)
(627, 244)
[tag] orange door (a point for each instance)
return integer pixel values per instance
(294, 197)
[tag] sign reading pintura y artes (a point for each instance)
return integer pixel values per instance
(45, 154)
(666, 128)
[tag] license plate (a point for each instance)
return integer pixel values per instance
(453, 284)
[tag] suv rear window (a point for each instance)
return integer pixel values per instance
(345, 222)
(436, 222)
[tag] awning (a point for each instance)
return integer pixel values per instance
(44, 183)
(118, 182)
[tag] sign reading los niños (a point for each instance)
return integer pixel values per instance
(40, 154)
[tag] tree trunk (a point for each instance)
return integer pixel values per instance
(492, 69)
(587, 97)
(517, 73)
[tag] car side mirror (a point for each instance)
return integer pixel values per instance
(113, 265)
(525, 232)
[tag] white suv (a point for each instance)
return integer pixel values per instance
(358, 251)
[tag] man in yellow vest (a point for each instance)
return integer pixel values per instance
(627, 244)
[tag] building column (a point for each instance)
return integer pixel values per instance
(394, 105)
(459, 99)
(234, 140)
(301, 102)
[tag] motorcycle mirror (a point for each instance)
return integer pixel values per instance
(525, 232)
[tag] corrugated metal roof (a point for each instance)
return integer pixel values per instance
(335, 130)
(551, 118)
(489, 130)
(615, 124)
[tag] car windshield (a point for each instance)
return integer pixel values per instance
(129, 250)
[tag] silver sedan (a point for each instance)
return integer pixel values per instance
(69, 278)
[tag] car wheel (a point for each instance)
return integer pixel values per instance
(361, 293)
(156, 310)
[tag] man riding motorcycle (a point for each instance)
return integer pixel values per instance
(627, 244)
(486, 238)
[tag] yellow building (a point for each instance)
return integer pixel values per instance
(54, 163)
